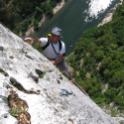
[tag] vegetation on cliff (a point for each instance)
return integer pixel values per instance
(19, 14)
(98, 59)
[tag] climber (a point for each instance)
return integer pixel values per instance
(53, 48)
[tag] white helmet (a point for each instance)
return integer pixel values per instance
(56, 31)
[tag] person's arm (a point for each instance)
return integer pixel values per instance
(59, 59)
(31, 39)
(28, 40)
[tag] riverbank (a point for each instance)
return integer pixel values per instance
(44, 18)
(109, 15)
(58, 7)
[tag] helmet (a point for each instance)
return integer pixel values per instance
(56, 31)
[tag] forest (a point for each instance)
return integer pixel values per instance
(98, 60)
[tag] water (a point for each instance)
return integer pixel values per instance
(71, 20)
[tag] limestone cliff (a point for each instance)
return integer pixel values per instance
(46, 96)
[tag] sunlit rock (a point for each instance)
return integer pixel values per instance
(50, 98)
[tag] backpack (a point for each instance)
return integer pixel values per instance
(48, 43)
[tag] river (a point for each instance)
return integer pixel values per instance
(71, 20)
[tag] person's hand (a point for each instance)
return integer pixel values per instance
(29, 40)
(53, 61)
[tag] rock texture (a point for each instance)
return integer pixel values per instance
(51, 98)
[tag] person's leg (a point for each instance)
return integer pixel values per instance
(64, 68)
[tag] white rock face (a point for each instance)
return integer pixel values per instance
(98, 6)
(59, 101)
